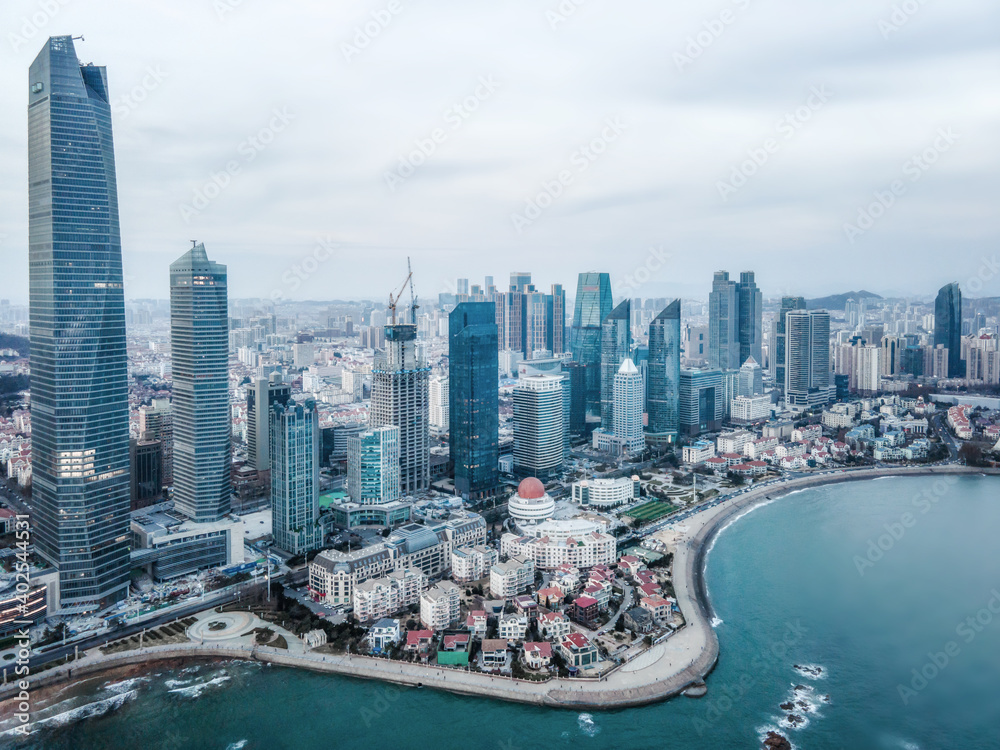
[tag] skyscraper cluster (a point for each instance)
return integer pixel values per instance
(735, 315)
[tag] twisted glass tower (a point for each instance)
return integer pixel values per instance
(79, 388)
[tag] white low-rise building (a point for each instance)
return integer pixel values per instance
(508, 579)
(583, 551)
(698, 451)
(472, 563)
(439, 605)
(606, 493)
(380, 597)
(512, 627)
(733, 442)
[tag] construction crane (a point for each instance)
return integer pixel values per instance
(394, 299)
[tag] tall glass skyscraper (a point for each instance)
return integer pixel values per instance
(593, 304)
(807, 361)
(778, 355)
(749, 329)
(948, 327)
(735, 317)
(294, 437)
(199, 351)
(473, 399)
(616, 346)
(723, 323)
(664, 374)
(79, 387)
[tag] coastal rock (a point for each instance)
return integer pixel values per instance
(775, 741)
(795, 720)
(787, 706)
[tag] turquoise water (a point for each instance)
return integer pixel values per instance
(792, 582)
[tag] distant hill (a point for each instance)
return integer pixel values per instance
(838, 301)
(17, 343)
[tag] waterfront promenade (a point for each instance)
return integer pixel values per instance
(664, 670)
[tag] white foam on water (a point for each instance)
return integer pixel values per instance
(587, 725)
(87, 711)
(176, 683)
(716, 622)
(194, 691)
(124, 685)
(811, 671)
(238, 745)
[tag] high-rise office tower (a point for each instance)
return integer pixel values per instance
(948, 327)
(723, 323)
(778, 355)
(628, 407)
(702, 401)
(474, 431)
(199, 350)
(892, 352)
(750, 322)
(593, 304)
(79, 386)
(663, 374)
(462, 287)
(261, 396)
(294, 436)
(373, 465)
(555, 320)
(538, 425)
(616, 345)
(807, 360)
(400, 396)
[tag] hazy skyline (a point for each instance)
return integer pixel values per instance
(635, 116)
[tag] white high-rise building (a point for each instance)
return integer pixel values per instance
(400, 397)
(628, 407)
(868, 369)
(439, 403)
(538, 425)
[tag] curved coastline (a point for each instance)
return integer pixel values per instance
(692, 655)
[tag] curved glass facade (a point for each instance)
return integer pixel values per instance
(79, 387)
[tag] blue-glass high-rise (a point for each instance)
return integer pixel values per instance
(473, 399)
(664, 374)
(948, 327)
(199, 346)
(593, 304)
(616, 346)
(79, 386)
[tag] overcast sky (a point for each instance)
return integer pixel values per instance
(742, 134)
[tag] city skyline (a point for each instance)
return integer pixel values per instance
(461, 199)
